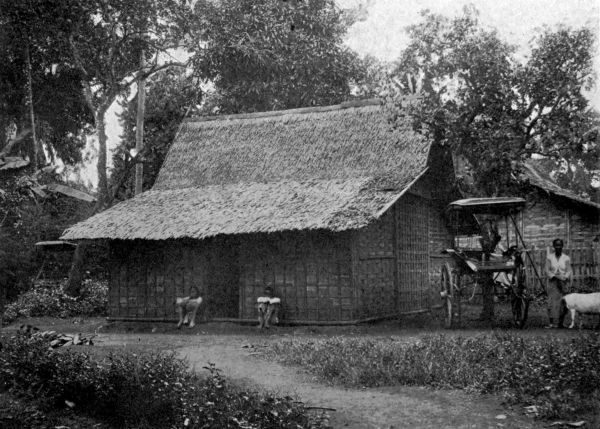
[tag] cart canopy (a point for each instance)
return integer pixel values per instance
(494, 206)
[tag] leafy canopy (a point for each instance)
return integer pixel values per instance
(479, 99)
(273, 54)
(62, 118)
(256, 56)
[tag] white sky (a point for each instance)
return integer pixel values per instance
(382, 32)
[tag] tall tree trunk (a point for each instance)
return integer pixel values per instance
(139, 131)
(102, 176)
(31, 113)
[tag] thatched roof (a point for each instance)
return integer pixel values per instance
(335, 168)
(545, 183)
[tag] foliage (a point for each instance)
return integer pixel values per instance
(17, 413)
(171, 94)
(62, 118)
(559, 376)
(106, 42)
(48, 298)
(257, 56)
(26, 218)
(140, 390)
(272, 54)
(479, 99)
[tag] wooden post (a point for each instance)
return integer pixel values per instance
(31, 113)
(139, 131)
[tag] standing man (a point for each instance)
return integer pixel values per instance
(558, 270)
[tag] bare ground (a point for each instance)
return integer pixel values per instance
(236, 351)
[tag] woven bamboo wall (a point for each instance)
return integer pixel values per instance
(440, 238)
(146, 277)
(309, 271)
(549, 218)
(374, 269)
(412, 220)
(584, 261)
(543, 222)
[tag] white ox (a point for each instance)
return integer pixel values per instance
(587, 303)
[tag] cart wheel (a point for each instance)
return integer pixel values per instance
(446, 294)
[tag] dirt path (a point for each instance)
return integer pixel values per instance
(398, 407)
(237, 353)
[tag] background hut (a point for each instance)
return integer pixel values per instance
(339, 213)
(554, 212)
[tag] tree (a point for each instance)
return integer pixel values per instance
(482, 103)
(257, 56)
(478, 99)
(172, 94)
(272, 54)
(27, 31)
(105, 44)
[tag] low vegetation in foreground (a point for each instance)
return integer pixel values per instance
(129, 390)
(557, 378)
(48, 298)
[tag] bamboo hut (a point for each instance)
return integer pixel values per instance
(554, 212)
(337, 211)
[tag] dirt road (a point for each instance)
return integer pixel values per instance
(236, 350)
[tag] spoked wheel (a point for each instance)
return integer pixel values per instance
(449, 293)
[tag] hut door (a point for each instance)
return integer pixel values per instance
(412, 250)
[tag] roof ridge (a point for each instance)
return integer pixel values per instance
(300, 110)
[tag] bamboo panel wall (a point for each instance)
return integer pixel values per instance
(309, 271)
(583, 228)
(584, 261)
(412, 226)
(146, 277)
(440, 238)
(375, 269)
(548, 218)
(543, 222)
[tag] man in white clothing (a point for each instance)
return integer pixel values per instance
(558, 271)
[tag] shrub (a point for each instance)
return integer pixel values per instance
(140, 390)
(560, 376)
(47, 298)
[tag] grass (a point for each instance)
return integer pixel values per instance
(137, 390)
(559, 376)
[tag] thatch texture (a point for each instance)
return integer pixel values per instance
(238, 208)
(333, 168)
(301, 145)
(542, 181)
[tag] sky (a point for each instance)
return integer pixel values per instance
(381, 32)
